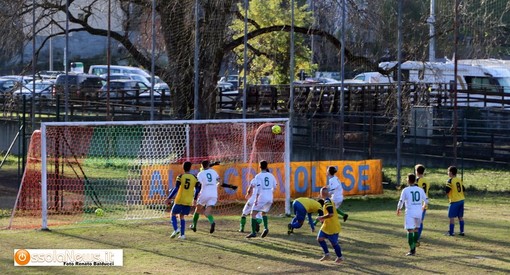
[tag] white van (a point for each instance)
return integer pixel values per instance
(490, 79)
(374, 78)
(117, 69)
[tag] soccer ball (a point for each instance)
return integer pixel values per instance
(99, 212)
(276, 129)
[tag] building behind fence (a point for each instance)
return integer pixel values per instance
(435, 130)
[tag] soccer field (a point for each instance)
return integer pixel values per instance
(373, 242)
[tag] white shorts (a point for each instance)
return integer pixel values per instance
(262, 206)
(247, 210)
(412, 222)
(207, 201)
(338, 201)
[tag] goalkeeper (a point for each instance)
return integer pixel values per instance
(186, 189)
(305, 207)
(209, 179)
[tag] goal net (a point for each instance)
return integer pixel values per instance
(127, 168)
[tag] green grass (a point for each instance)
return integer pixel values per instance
(480, 180)
(373, 241)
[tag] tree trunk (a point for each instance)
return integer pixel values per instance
(178, 26)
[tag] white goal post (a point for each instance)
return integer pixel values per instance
(127, 167)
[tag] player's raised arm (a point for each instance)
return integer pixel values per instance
(174, 191)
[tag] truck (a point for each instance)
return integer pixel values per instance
(480, 83)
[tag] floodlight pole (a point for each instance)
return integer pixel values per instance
(66, 68)
(291, 96)
(153, 60)
(399, 90)
(34, 63)
(432, 32)
(108, 61)
(196, 114)
(245, 56)
(342, 92)
(455, 115)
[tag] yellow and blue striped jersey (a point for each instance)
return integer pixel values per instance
(330, 225)
(424, 184)
(186, 190)
(311, 205)
(456, 189)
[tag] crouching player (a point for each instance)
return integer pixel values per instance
(330, 228)
(187, 189)
(304, 207)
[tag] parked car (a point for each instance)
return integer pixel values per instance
(373, 77)
(232, 79)
(115, 76)
(224, 86)
(43, 90)
(7, 85)
(114, 69)
(81, 86)
(124, 88)
(18, 78)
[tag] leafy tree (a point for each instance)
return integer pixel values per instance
(269, 53)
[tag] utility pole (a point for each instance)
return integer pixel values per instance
(432, 31)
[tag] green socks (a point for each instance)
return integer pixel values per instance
(264, 220)
(259, 221)
(411, 239)
(210, 218)
(340, 212)
(253, 226)
(195, 219)
(243, 223)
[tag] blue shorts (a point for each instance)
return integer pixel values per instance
(299, 210)
(332, 238)
(181, 209)
(456, 209)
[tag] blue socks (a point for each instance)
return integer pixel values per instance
(174, 222)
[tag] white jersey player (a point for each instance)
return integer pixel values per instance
(336, 190)
(209, 181)
(251, 195)
(415, 200)
(265, 186)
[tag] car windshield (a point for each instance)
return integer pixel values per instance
(505, 83)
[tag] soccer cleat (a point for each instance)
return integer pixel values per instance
(339, 259)
(290, 230)
(182, 237)
(264, 233)
(410, 253)
(449, 234)
(241, 230)
(417, 243)
(257, 227)
(213, 225)
(461, 234)
(192, 227)
(325, 257)
(251, 235)
(345, 217)
(175, 233)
